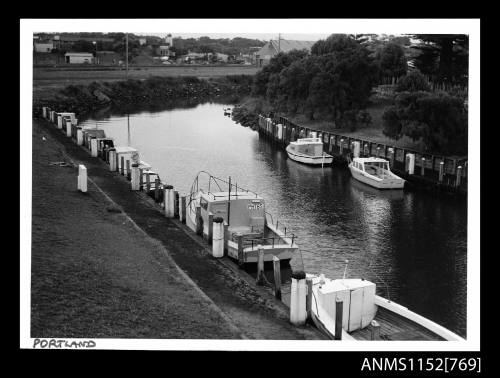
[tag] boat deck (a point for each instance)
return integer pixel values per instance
(395, 327)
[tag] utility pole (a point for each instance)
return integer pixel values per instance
(126, 53)
(279, 43)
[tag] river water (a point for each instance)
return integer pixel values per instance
(412, 245)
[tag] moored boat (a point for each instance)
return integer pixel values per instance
(247, 219)
(308, 151)
(363, 312)
(375, 172)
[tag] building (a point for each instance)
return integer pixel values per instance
(142, 41)
(44, 47)
(273, 47)
(78, 58)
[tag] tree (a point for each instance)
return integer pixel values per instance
(412, 82)
(392, 61)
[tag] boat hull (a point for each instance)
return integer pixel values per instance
(310, 160)
(388, 183)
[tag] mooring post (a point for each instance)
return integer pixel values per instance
(122, 165)
(277, 277)
(226, 237)
(441, 171)
(44, 111)
(169, 199)
(309, 284)
(93, 147)
(210, 227)
(375, 330)
(378, 151)
(127, 165)
(339, 308)
(157, 191)
(182, 209)
(341, 146)
(112, 159)
(79, 136)
(459, 176)
(141, 174)
(134, 176)
(422, 168)
(241, 256)
(218, 237)
(82, 178)
(260, 266)
(199, 224)
(59, 122)
(68, 129)
(411, 163)
(148, 183)
(176, 204)
(298, 298)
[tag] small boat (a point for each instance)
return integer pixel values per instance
(308, 151)
(375, 172)
(246, 215)
(363, 311)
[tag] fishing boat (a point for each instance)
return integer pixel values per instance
(367, 316)
(308, 151)
(246, 216)
(375, 172)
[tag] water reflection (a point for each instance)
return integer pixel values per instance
(414, 246)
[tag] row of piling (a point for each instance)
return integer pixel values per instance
(125, 161)
(434, 171)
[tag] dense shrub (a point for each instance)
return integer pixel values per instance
(412, 82)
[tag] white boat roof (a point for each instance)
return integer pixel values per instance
(370, 159)
(217, 196)
(125, 149)
(308, 141)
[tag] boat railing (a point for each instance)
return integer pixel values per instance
(254, 242)
(279, 226)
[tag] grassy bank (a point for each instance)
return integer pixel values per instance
(246, 113)
(86, 98)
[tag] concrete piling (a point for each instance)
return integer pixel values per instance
(260, 266)
(93, 147)
(112, 159)
(226, 237)
(210, 227)
(459, 176)
(218, 237)
(375, 330)
(241, 256)
(122, 165)
(309, 284)
(199, 221)
(441, 171)
(82, 178)
(68, 129)
(59, 122)
(182, 209)
(134, 176)
(339, 308)
(356, 148)
(157, 192)
(127, 166)
(169, 199)
(44, 111)
(298, 299)
(422, 168)
(277, 277)
(410, 158)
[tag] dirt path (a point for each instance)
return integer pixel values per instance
(95, 274)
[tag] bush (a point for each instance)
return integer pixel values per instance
(413, 82)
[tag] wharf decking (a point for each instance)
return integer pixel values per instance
(396, 328)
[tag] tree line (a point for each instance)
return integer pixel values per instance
(336, 80)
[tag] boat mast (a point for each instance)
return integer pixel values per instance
(229, 201)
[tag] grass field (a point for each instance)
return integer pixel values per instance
(44, 77)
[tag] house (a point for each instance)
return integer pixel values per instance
(142, 41)
(222, 57)
(273, 47)
(164, 51)
(78, 58)
(193, 57)
(44, 47)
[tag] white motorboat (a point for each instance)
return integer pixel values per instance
(308, 151)
(363, 312)
(245, 213)
(375, 172)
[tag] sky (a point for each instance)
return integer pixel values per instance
(260, 36)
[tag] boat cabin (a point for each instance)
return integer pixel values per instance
(371, 165)
(307, 146)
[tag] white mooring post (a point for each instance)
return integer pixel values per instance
(93, 147)
(168, 197)
(411, 163)
(422, 168)
(134, 175)
(298, 313)
(112, 160)
(357, 148)
(459, 176)
(441, 171)
(217, 237)
(79, 136)
(82, 178)
(68, 129)
(260, 266)
(59, 122)
(44, 111)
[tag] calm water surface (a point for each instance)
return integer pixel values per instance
(412, 245)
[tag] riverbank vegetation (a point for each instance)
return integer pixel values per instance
(338, 86)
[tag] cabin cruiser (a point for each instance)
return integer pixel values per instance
(246, 216)
(375, 172)
(363, 311)
(308, 151)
